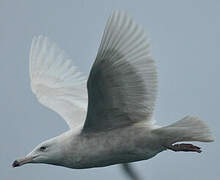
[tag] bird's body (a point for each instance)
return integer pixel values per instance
(122, 145)
(113, 123)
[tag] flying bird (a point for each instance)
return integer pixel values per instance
(110, 115)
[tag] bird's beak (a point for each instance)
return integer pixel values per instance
(22, 161)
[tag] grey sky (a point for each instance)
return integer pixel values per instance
(186, 44)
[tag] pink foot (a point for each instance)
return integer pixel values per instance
(184, 147)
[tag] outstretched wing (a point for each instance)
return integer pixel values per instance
(122, 84)
(56, 82)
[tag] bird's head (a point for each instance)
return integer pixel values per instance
(48, 152)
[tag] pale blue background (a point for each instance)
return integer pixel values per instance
(186, 44)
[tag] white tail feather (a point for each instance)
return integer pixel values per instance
(190, 128)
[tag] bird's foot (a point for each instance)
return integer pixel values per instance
(184, 147)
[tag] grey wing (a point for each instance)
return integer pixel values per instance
(122, 84)
(130, 172)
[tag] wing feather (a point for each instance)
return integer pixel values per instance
(56, 82)
(122, 84)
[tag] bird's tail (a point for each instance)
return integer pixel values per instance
(190, 128)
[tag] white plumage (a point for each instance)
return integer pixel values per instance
(122, 88)
(56, 82)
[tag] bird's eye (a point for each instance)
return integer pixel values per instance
(43, 148)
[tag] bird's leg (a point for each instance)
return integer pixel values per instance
(184, 147)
